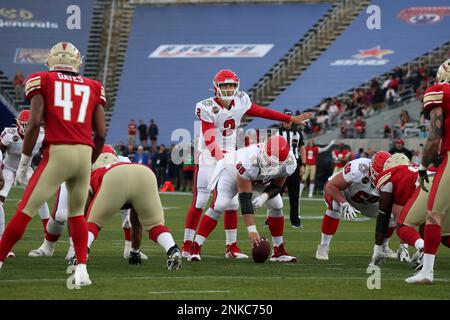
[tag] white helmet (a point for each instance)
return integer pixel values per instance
(64, 56)
(103, 160)
(396, 159)
(443, 73)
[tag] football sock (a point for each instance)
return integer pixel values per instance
(161, 235)
(79, 232)
(2, 219)
(408, 234)
(230, 221)
(192, 219)
(432, 238)
(127, 234)
(13, 233)
(276, 227)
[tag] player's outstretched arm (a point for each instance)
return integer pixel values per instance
(323, 149)
(384, 216)
(261, 112)
(99, 128)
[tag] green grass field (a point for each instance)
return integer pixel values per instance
(215, 277)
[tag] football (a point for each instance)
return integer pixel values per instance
(261, 252)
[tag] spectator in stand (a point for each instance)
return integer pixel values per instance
(174, 170)
(346, 129)
(387, 132)
(392, 95)
(153, 132)
(360, 127)
(333, 112)
(188, 168)
(19, 82)
(141, 156)
(399, 147)
(311, 165)
(341, 156)
(160, 161)
(378, 96)
(370, 153)
(142, 128)
(361, 154)
(322, 120)
(120, 148)
(132, 129)
(130, 153)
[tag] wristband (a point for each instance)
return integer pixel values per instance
(251, 229)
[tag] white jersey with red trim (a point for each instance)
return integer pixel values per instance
(13, 142)
(245, 163)
(225, 121)
(360, 193)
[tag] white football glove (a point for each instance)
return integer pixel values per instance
(378, 257)
(259, 201)
(21, 174)
(348, 213)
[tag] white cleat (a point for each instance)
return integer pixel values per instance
(403, 255)
(82, 276)
(322, 252)
(70, 253)
(389, 253)
(420, 278)
(417, 260)
(126, 254)
(310, 195)
(42, 251)
(10, 255)
(233, 252)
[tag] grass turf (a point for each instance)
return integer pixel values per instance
(215, 277)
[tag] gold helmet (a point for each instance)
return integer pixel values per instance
(396, 159)
(443, 73)
(64, 56)
(103, 160)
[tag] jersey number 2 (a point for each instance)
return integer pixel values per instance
(63, 98)
(229, 126)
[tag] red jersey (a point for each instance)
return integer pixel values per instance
(438, 95)
(132, 128)
(340, 157)
(403, 179)
(70, 102)
(98, 174)
(311, 155)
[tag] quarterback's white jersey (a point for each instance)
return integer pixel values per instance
(225, 121)
(360, 194)
(11, 139)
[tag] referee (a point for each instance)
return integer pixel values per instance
(295, 139)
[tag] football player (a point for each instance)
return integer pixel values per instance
(349, 192)
(398, 185)
(263, 168)
(436, 101)
(116, 184)
(57, 222)
(220, 116)
(71, 107)
(11, 143)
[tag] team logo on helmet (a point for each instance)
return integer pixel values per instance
(64, 56)
(396, 159)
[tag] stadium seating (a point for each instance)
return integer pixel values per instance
(167, 89)
(361, 54)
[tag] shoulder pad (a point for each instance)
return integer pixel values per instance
(241, 94)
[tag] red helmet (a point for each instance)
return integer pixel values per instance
(274, 153)
(22, 120)
(109, 149)
(225, 77)
(377, 164)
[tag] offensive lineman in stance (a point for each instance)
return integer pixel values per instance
(117, 184)
(71, 107)
(262, 167)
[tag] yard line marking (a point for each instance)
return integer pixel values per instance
(218, 277)
(200, 291)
